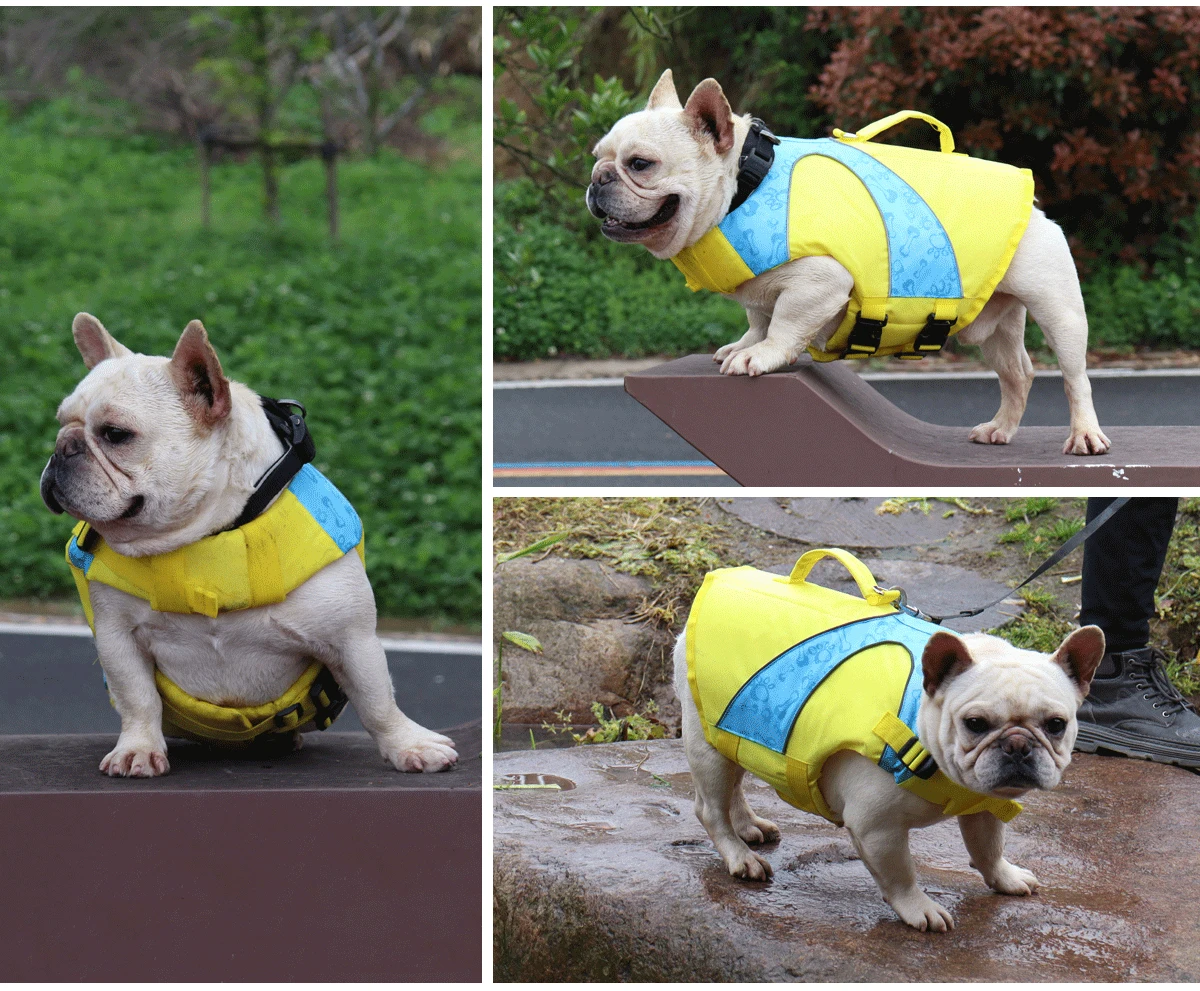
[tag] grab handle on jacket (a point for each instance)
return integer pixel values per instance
(871, 130)
(858, 571)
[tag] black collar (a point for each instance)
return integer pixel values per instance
(299, 450)
(758, 154)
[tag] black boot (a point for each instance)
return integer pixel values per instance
(1136, 711)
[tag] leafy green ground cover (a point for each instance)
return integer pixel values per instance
(561, 292)
(378, 335)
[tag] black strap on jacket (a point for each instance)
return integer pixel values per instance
(758, 154)
(298, 450)
(1099, 521)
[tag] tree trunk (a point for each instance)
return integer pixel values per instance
(205, 187)
(270, 183)
(329, 155)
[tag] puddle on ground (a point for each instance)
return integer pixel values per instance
(534, 782)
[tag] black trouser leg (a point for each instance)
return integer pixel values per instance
(1122, 563)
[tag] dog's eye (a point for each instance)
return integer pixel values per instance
(1056, 726)
(115, 435)
(976, 725)
(639, 164)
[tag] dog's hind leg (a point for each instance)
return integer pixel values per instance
(1004, 353)
(717, 783)
(1043, 277)
(750, 827)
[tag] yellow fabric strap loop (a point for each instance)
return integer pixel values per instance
(945, 137)
(858, 571)
(892, 731)
(195, 717)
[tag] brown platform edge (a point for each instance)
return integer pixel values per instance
(245, 886)
(822, 425)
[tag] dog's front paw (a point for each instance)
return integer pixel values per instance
(726, 350)
(992, 433)
(1010, 879)
(136, 760)
(1087, 441)
(420, 750)
(922, 912)
(759, 359)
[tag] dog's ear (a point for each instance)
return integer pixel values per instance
(663, 96)
(94, 342)
(197, 374)
(945, 656)
(1080, 654)
(709, 114)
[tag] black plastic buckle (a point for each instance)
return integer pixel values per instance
(934, 335)
(90, 541)
(865, 337)
(926, 769)
(335, 699)
(754, 162)
(281, 721)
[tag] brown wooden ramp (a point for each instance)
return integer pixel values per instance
(821, 424)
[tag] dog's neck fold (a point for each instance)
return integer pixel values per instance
(712, 205)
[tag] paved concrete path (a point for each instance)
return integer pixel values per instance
(615, 879)
(600, 428)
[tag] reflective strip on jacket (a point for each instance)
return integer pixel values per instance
(786, 673)
(923, 233)
(309, 526)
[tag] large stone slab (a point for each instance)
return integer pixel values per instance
(615, 879)
(593, 649)
(846, 522)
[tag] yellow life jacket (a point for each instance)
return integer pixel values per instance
(786, 673)
(926, 235)
(310, 525)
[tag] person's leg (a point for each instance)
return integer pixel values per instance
(1132, 707)
(1122, 562)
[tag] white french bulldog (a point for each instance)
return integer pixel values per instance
(998, 720)
(156, 453)
(666, 175)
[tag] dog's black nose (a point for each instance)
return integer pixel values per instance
(592, 205)
(1017, 747)
(47, 487)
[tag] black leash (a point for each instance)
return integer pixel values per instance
(1103, 517)
(755, 161)
(299, 450)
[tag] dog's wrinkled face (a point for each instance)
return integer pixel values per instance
(999, 720)
(140, 445)
(664, 176)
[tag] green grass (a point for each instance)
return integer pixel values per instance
(379, 336)
(1027, 509)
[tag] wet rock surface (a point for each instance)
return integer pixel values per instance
(615, 879)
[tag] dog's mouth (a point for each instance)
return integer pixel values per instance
(640, 230)
(135, 507)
